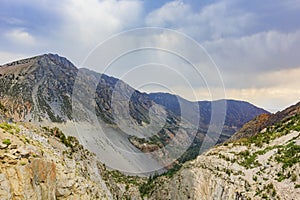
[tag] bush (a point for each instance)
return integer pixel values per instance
(294, 177)
(255, 178)
(289, 155)
(6, 141)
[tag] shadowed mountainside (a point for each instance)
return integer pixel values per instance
(263, 121)
(265, 165)
(49, 89)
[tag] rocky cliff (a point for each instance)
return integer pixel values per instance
(265, 165)
(50, 89)
(42, 163)
(265, 120)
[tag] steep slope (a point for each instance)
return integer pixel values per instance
(265, 120)
(108, 116)
(237, 112)
(264, 166)
(42, 163)
(40, 89)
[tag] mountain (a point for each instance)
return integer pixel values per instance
(265, 165)
(237, 112)
(40, 90)
(43, 163)
(109, 117)
(263, 121)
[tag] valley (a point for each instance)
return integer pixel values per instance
(57, 145)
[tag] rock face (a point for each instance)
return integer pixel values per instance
(49, 88)
(263, 121)
(252, 127)
(264, 166)
(43, 163)
(40, 89)
(237, 112)
(36, 164)
(33, 181)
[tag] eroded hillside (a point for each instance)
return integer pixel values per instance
(42, 163)
(264, 166)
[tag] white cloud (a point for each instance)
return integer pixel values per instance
(211, 22)
(249, 46)
(276, 91)
(20, 36)
(265, 51)
(86, 23)
(89, 22)
(168, 14)
(273, 99)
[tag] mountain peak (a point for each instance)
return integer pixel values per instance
(44, 60)
(56, 59)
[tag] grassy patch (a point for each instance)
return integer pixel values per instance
(248, 159)
(10, 128)
(6, 141)
(148, 186)
(272, 132)
(288, 155)
(68, 141)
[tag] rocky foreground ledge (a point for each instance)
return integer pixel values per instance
(41, 163)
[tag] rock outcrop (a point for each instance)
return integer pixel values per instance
(264, 166)
(49, 88)
(38, 164)
(265, 120)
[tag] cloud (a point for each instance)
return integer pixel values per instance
(89, 22)
(71, 28)
(168, 14)
(213, 21)
(20, 37)
(273, 90)
(11, 20)
(241, 60)
(251, 42)
(273, 99)
(277, 90)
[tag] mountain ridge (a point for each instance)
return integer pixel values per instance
(43, 162)
(49, 88)
(262, 121)
(262, 166)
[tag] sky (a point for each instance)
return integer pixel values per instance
(253, 45)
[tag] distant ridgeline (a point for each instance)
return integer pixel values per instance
(40, 89)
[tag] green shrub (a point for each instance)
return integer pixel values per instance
(254, 178)
(294, 177)
(6, 141)
(288, 155)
